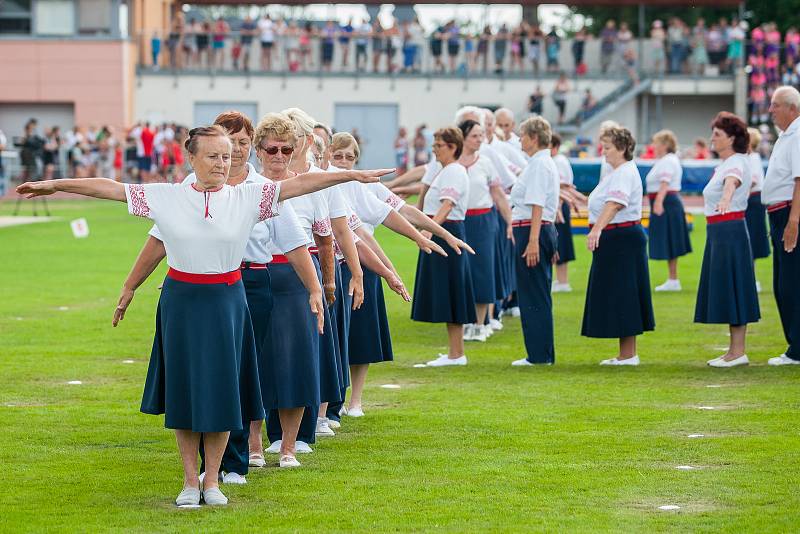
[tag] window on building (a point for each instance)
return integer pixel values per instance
(94, 17)
(15, 16)
(55, 17)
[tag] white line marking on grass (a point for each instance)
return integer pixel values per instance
(75, 382)
(696, 436)
(685, 467)
(390, 386)
(128, 361)
(669, 507)
(419, 365)
(706, 408)
(713, 386)
(63, 308)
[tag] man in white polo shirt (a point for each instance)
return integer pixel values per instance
(781, 195)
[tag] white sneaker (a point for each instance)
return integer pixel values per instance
(287, 460)
(257, 460)
(521, 363)
(469, 332)
(299, 447)
(478, 333)
(336, 425)
(496, 325)
(342, 411)
(214, 497)
(783, 360)
(715, 359)
(274, 448)
(355, 412)
(558, 287)
(722, 362)
(188, 497)
(626, 361)
(669, 285)
(758, 286)
(323, 428)
(444, 361)
(233, 478)
(515, 311)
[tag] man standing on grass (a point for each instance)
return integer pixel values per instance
(781, 195)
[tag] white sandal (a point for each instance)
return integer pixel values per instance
(257, 460)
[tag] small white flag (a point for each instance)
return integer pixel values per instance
(80, 228)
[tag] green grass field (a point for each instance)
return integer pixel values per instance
(488, 447)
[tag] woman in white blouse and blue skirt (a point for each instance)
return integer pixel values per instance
(443, 286)
(480, 226)
(727, 292)
(535, 202)
(756, 214)
(206, 226)
(618, 300)
(668, 234)
(566, 247)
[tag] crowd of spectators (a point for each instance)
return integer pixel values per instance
(772, 61)
(142, 153)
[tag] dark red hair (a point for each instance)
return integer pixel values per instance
(734, 127)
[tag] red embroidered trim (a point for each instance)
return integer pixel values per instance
(354, 222)
(449, 192)
(394, 201)
(267, 199)
(618, 195)
(322, 227)
(139, 206)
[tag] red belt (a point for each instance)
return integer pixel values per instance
(279, 258)
(779, 206)
(480, 211)
(194, 278)
(618, 225)
(730, 216)
(652, 196)
(313, 250)
(526, 222)
(754, 193)
(252, 265)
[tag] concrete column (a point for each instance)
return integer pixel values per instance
(530, 14)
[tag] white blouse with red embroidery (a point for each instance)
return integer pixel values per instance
(204, 232)
(452, 184)
(313, 215)
(623, 186)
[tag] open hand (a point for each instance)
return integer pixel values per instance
(593, 240)
(790, 236)
(356, 290)
(315, 303)
(36, 189)
(531, 254)
(396, 285)
(125, 299)
(369, 176)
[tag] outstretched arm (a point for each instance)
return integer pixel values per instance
(398, 224)
(420, 220)
(315, 181)
(89, 187)
(407, 178)
(344, 237)
(150, 256)
(379, 263)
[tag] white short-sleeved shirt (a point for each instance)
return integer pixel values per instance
(737, 165)
(605, 168)
(337, 206)
(622, 185)
(783, 167)
(564, 167)
(384, 194)
(204, 232)
(482, 176)
(757, 170)
(508, 171)
(667, 169)
(366, 205)
(452, 183)
(267, 30)
(432, 169)
(512, 153)
(283, 232)
(538, 185)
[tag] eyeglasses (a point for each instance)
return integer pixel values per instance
(272, 150)
(339, 157)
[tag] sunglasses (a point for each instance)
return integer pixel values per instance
(339, 157)
(272, 150)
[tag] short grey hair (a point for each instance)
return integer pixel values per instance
(503, 111)
(469, 110)
(788, 95)
(537, 128)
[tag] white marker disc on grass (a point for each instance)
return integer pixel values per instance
(390, 386)
(669, 507)
(420, 365)
(696, 436)
(685, 467)
(75, 382)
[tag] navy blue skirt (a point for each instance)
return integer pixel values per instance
(369, 338)
(756, 217)
(203, 372)
(340, 315)
(481, 232)
(504, 260)
(618, 300)
(443, 286)
(296, 358)
(566, 248)
(727, 292)
(668, 233)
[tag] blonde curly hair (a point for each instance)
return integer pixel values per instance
(277, 127)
